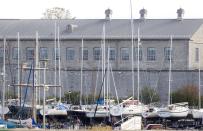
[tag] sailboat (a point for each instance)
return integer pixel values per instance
(198, 113)
(176, 109)
(132, 107)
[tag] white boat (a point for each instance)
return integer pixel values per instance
(128, 107)
(59, 109)
(151, 112)
(98, 113)
(197, 113)
(177, 109)
(174, 110)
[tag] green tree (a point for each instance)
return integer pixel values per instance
(56, 13)
(149, 95)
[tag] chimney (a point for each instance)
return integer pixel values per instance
(143, 14)
(180, 13)
(108, 14)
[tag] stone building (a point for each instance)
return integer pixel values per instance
(156, 36)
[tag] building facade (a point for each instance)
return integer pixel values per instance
(155, 36)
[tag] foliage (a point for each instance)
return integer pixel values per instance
(56, 13)
(188, 93)
(149, 95)
(10, 94)
(74, 98)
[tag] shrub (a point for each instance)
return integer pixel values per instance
(149, 95)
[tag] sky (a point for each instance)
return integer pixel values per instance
(94, 9)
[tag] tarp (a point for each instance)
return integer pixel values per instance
(100, 101)
(9, 124)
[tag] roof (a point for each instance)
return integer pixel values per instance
(92, 28)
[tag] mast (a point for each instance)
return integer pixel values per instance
(108, 77)
(138, 64)
(169, 81)
(55, 58)
(132, 50)
(18, 66)
(104, 57)
(4, 76)
(199, 95)
(35, 74)
(44, 97)
(81, 73)
(59, 62)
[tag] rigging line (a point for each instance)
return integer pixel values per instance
(158, 78)
(115, 87)
(25, 96)
(97, 77)
(102, 85)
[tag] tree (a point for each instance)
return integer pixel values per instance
(56, 13)
(149, 95)
(188, 93)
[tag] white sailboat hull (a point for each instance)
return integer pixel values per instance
(97, 114)
(54, 112)
(130, 110)
(197, 113)
(179, 112)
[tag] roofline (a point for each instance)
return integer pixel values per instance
(151, 37)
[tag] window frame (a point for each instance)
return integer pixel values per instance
(31, 57)
(97, 56)
(40, 53)
(70, 53)
(125, 53)
(151, 54)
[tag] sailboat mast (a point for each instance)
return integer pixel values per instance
(4, 76)
(169, 81)
(18, 66)
(35, 75)
(132, 50)
(59, 62)
(199, 95)
(104, 58)
(108, 78)
(138, 64)
(55, 59)
(81, 73)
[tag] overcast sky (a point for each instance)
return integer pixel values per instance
(94, 9)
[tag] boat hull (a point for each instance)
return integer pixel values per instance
(197, 113)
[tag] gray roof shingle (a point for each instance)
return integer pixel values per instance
(92, 28)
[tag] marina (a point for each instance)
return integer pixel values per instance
(101, 74)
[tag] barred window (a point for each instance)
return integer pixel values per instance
(97, 53)
(43, 54)
(56, 54)
(15, 53)
(151, 54)
(168, 52)
(112, 54)
(29, 53)
(136, 53)
(70, 53)
(85, 53)
(125, 53)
